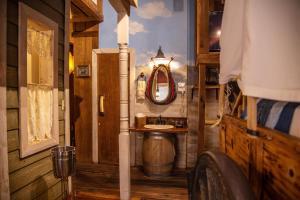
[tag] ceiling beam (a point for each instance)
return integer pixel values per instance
(122, 6)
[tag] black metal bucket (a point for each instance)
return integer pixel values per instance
(64, 161)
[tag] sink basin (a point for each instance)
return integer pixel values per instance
(158, 126)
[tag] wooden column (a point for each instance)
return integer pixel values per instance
(202, 7)
(124, 137)
(66, 80)
(252, 114)
(4, 178)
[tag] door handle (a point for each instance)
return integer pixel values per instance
(101, 104)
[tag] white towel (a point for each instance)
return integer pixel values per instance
(141, 89)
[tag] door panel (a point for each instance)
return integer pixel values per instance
(109, 118)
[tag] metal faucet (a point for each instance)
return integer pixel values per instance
(160, 120)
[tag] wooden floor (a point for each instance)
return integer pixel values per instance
(102, 182)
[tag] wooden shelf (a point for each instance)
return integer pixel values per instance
(208, 58)
(212, 86)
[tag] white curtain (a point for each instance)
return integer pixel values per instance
(231, 40)
(40, 112)
(268, 55)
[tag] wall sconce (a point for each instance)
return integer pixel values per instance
(160, 58)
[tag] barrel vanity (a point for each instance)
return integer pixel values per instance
(158, 148)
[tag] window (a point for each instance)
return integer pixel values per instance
(38, 47)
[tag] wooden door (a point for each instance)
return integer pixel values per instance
(109, 118)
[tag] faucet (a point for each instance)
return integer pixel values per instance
(160, 120)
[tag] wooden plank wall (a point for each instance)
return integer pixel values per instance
(202, 7)
(83, 47)
(31, 177)
(4, 179)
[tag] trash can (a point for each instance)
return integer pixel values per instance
(64, 161)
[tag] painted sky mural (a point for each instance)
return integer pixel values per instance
(154, 23)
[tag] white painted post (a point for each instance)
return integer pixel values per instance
(124, 137)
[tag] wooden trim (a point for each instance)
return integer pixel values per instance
(95, 94)
(202, 43)
(95, 105)
(89, 8)
(122, 6)
(83, 19)
(66, 80)
(208, 58)
(201, 47)
(131, 110)
(252, 113)
(4, 175)
(221, 99)
(66, 72)
(201, 108)
(25, 148)
(85, 34)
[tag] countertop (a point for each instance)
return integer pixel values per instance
(171, 130)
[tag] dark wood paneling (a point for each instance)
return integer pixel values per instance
(12, 119)
(12, 100)
(12, 77)
(12, 140)
(15, 163)
(31, 177)
(61, 82)
(83, 99)
(30, 173)
(109, 87)
(36, 188)
(12, 11)
(53, 192)
(12, 31)
(46, 9)
(57, 5)
(12, 55)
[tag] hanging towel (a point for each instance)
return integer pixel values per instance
(141, 87)
(286, 117)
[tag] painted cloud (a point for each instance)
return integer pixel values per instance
(153, 9)
(135, 27)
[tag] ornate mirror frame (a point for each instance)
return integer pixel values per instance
(172, 88)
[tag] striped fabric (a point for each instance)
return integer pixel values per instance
(281, 116)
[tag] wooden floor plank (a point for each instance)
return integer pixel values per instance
(102, 182)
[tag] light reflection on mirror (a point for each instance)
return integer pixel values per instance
(160, 87)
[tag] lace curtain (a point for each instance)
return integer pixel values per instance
(39, 42)
(40, 112)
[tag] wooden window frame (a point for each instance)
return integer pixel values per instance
(26, 148)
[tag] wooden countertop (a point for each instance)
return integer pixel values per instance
(171, 130)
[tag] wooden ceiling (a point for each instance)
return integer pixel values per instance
(123, 5)
(85, 15)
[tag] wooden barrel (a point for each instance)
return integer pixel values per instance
(158, 153)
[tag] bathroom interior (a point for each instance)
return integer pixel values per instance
(149, 99)
(163, 91)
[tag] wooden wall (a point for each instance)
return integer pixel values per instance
(83, 47)
(4, 179)
(31, 177)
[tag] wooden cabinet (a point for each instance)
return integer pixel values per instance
(270, 160)
(204, 59)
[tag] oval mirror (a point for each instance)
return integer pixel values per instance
(161, 86)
